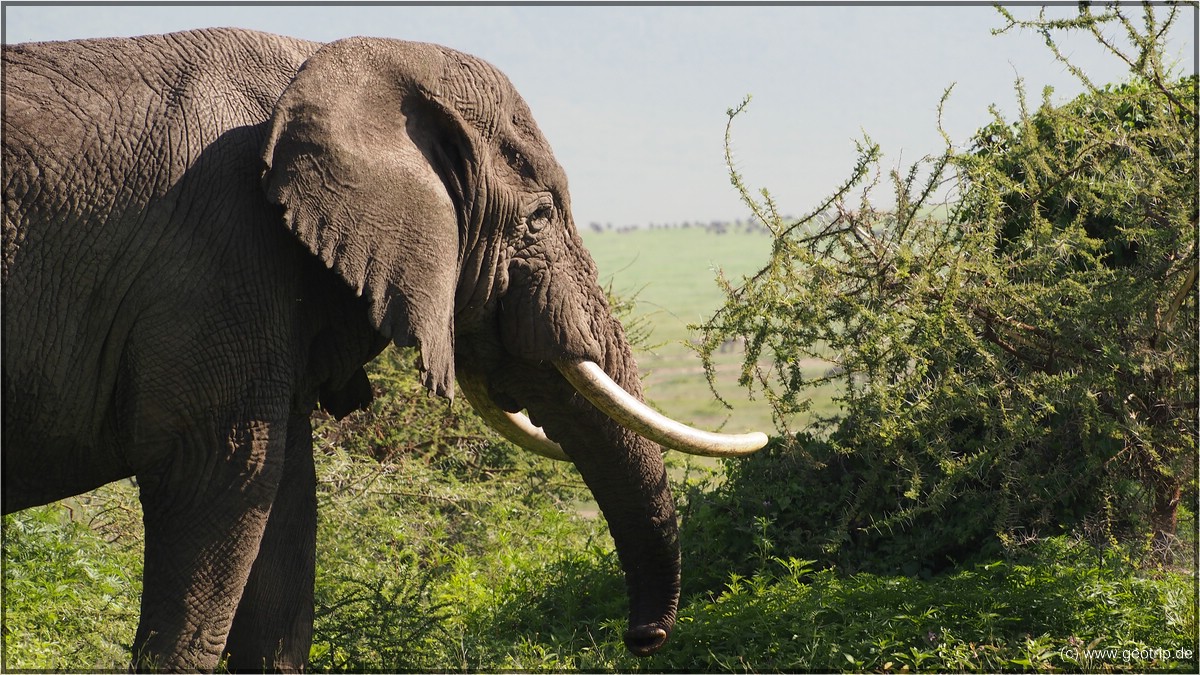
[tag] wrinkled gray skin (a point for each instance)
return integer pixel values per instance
(206, 234)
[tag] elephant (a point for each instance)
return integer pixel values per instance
(207, 234)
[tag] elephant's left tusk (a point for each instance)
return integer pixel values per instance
(589, 379)
(513, 426)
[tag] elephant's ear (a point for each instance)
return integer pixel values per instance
(351, 154)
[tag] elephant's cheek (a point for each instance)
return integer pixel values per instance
(483, 280)
(544, 322)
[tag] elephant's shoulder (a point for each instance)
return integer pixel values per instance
(237, 68)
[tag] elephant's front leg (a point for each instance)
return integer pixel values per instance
(205, 508)
(272, 630)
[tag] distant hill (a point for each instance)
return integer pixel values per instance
(751, 226)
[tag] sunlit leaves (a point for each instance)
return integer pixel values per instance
(1027, 301)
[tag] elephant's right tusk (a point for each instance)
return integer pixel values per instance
(590, 380)
(513, 426)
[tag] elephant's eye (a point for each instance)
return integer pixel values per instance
(541, 217)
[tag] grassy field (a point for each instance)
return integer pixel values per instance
(672, 273)
(464, 559)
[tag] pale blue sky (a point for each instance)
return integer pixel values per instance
(633, 98)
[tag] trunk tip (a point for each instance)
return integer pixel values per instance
(645, 640)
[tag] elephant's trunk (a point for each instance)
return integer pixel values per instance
(626, 476)
(623, 470)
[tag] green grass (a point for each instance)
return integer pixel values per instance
(72, 582)
(473, 559)
(1039, 613)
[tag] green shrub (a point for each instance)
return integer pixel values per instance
(1018, 361)
(72, 583)
(1043, 610)
(803, 498)
(416, 546)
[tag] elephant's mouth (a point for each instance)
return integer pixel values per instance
(590, 380)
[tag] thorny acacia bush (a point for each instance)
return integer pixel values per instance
(1016, 360)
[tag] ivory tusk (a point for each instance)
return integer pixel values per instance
(590, 380)
(595, 385)
(513, 426)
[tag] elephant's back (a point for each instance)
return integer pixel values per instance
(126, 88)
(106, 116)
(95, 128)
(120, 157)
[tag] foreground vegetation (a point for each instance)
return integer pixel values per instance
(465, 554)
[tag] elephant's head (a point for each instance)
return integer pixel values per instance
(418, 175)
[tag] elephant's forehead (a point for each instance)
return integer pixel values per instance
(478, 92)
(485, 97)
